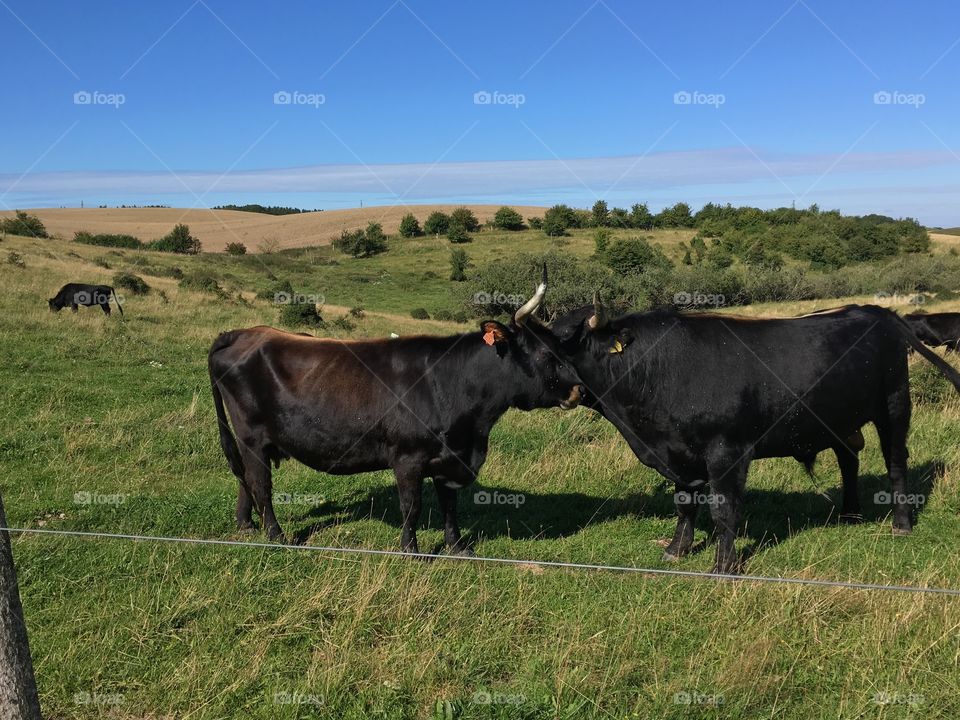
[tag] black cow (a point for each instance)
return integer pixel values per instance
(936, 329)
(422, 406)
(699, 396)
(74, 294)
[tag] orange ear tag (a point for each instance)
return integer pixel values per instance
(488, 337)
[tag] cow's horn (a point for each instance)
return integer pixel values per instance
(599, 318)
(530, 307)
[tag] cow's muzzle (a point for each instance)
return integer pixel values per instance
(576, 395)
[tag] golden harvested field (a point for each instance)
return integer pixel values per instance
(216, 228)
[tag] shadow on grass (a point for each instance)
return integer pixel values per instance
(771, 516)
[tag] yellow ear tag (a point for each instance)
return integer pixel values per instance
(488, 337)
(617, 347)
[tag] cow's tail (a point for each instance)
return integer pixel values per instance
(938, 362)
(227, 441)
(117, 300)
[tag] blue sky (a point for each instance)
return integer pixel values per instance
(768, 103)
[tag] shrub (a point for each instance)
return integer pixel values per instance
(419, 314)
(101, 262)
(506, 218)
(444, 315)
(461, 316)
(459, 261)
(362, 243)
(178, 240)
(236, 248)
(16, 259)
(464, 216)
(535, 222)
(128, 281)
(557, 219)
(107, 240)
(437, 223)
(601, 241)
(279, 292)
(344, 323)
(629, 256)
(457, 233)
(300, 315)
(409, 227)
(203, 281)
(23, 223)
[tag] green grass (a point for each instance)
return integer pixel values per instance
(96, 405)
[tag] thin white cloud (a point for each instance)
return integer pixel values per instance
(656, 171)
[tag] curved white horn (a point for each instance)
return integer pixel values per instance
(530, 307)
(599, 318)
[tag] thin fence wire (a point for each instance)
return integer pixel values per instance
(691, 574)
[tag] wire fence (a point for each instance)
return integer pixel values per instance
(330, 550)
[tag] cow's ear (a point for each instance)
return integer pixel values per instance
(494, 334)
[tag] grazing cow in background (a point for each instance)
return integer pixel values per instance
(74, 294)
(422, 406)
(699, 396)
(936, 329)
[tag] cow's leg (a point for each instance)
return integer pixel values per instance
(410, 489)
(849, 461)
(684, 501)
(73, 307)
(447, 497)
(892, 431)
(728, 478)
(259, 482)
(105, 307)
(244, 508)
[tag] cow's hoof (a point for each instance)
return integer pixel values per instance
(274, 534)
(669, 557)
(246, 529)
(461, 551)
(901, 531)
(851, 519)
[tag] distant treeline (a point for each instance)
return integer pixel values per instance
(266, 209)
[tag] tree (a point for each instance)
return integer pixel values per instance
(18, 687)
(508, 219)
(362, 243)
(409, 227)
(178, 240)
(437, 223)
(676, 216)
(557, 219)
(600, 213)
(631, 256)
(457, 233)
(640, 217)
(458, 264)
(24, 224)
(236, 248)
(464, 216)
